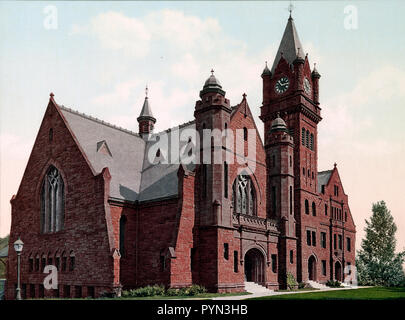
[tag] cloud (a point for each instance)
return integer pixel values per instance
(116, 31)
(14, 152)
(192, 46)
(134, 36)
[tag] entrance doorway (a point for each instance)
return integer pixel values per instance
(312, 268)
(254, 266)
(338, 271)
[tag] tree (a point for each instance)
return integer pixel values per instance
(377, 263)
(3, 244)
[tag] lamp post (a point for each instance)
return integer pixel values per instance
(18, 246)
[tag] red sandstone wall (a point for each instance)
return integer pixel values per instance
(85, 231)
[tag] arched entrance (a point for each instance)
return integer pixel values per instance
(312, 268)
(254, 266)
(338, 271)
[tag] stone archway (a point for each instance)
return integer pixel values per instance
(312, 268)
(254, 266)
(338, 271)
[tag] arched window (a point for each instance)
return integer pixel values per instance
(311, 145)
(52, 201)
(64, 261)
(244, 195)
(306, 206)
(303, 136)
(123, 222)
(313, 209)
(307, 139)
(72, 262)
(57, 260)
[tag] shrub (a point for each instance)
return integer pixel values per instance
(301, 285)
(172, 292)
(148, 291)
(159, 290)
(291, 282)
(195, 289)
(333, 284)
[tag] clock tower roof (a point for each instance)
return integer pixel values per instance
(290, 46)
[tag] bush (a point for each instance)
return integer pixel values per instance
(333, 284)
(195, 289)
(148, 291)
(291, 282)
(302, 285)
(159, 290)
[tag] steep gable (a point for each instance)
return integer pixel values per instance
(126, 150)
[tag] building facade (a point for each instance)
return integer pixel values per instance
(94, 203)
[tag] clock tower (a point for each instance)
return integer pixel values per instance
(291, 90)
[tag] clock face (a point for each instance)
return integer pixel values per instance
(307, 86)
(282, 85)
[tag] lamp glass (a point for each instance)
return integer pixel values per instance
(18, 245)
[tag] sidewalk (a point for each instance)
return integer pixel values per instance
(275, 293)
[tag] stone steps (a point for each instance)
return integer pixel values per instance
(316, 285)
(253, 287)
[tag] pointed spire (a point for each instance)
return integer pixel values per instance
(266, 71)
(289, 45)
(315, 73)
(146, 119)
(146, 109)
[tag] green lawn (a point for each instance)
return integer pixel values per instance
(203, 296)
(199, 296)
(375, 293)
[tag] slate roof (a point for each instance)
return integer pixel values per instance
(4, 252)
(146, 111)
(160, 180)
(133, 176)
(289, 45)
(126, 147)
(323, 178)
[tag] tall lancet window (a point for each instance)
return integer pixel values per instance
(243, 195)
(52, 202)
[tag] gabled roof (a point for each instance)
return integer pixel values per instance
(290, 45)
(160, 180)
(133, 176)
(323, 178)
(126, 148)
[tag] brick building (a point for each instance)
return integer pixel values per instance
(93, 202)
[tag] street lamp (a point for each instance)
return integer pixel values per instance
(18, 246)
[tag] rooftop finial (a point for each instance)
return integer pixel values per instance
(51, 95)
(146, 91)
(212, 71)
(335, 164)
(290, 9)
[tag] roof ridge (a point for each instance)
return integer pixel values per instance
(89, 117)
(185, 124)
(330, 170)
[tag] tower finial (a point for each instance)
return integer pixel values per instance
(290, 9)
(146, 91)
(212, 71)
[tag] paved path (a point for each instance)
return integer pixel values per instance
(275, 293)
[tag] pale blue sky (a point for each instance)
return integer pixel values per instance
(102, 54)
